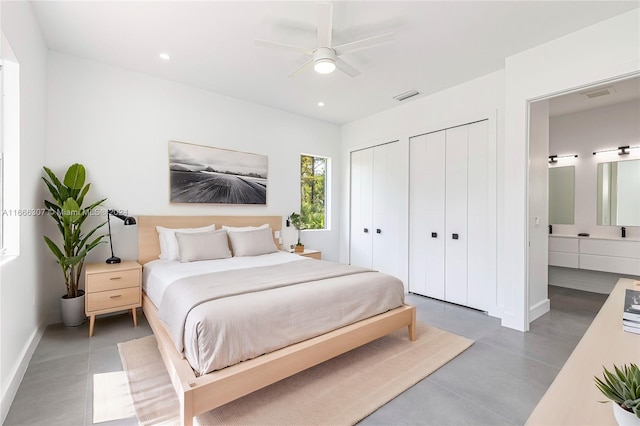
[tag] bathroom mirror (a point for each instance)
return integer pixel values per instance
(618, 193)
(561, 195)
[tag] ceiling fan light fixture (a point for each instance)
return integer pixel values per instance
(324, 66)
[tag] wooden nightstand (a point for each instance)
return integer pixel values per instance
(111, 288)
(314, 254)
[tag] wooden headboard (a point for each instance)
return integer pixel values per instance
(149, 246)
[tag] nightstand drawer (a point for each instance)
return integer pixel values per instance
(110, 280)
(112, 299)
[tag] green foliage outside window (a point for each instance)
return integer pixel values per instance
(313, 173)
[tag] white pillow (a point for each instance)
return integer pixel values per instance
(253, 242)
(203, 245)
(169, 243)
(244, 228)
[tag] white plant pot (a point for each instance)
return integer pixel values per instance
(623, 417)
(72, 310)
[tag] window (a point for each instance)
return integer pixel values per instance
(313, 191)
(9, 152)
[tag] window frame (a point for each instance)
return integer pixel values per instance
(327, 190)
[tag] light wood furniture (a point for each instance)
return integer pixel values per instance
(572, 398)
(314, 254)
(111, 288)
(198, 395)
(451, 243)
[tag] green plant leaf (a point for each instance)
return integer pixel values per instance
(84, 191)
(71, 211)
(54, 249)
(75, 176)
(53, 190)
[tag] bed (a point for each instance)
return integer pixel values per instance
(202, 387)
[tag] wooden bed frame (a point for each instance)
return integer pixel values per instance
(198, 395)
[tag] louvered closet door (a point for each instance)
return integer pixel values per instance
(388, 206)
(427, 215)
(361, 249)
(456, 237)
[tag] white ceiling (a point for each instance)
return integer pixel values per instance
(620, 91)
(438, 44)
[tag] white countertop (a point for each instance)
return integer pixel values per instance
(595, 237)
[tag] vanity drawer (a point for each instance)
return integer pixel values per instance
(112, 299)
(618, 265)
(110, 280)
(567, 260)
(614, 248)
(563, 244)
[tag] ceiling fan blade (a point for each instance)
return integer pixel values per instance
(325, 24)
(287, 47)
(346, 68)
(301, 68)
(364, 44)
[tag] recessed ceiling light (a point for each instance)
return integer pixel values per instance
(320, 104)
(165, 56)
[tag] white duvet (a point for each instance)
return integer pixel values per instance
(267, 316)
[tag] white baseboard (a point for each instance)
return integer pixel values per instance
(539, 309)
(17, 374)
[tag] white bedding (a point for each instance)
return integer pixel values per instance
(159, 274)
(225, 331)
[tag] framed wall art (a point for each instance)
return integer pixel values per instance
(203, 174)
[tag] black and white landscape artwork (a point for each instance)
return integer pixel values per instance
(202, 174)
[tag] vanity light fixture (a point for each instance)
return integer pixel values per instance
(622, 150)
(554, 158)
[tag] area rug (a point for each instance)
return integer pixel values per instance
(340, 391)
(111, 398)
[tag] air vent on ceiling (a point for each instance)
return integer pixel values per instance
(406, 95)
(602, 91)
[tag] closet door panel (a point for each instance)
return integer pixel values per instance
(361, 250)
(456, 215)
(388, 206)
(418, 205)
(479, 255)
(435, 214)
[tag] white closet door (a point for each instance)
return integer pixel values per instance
(361, 208)
(388, 205)
(427, 215)
(418, 204)
(479, 261)
(456, 215)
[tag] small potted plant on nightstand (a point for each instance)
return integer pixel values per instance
(622, 387)
(67, 211)
(296, 221)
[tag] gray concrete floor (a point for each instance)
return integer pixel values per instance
(497, 381)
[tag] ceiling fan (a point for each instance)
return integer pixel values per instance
(325, 57)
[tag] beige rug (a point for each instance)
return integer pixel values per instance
(111, 398)
(343, 390)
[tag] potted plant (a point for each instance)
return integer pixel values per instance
(67, 211)
(296, 221)
(623, 388)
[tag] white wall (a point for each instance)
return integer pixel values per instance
(22, 280)
(118, 124)
(538, 208)
(474, 100)
(583, 133)
(595, 54)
